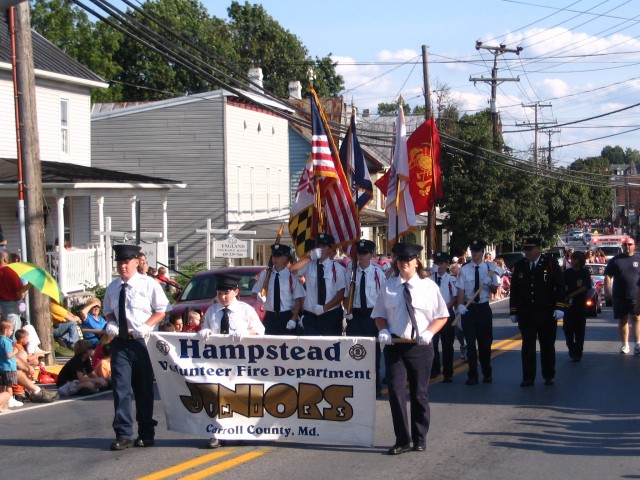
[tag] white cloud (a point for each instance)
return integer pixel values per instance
(403, 55)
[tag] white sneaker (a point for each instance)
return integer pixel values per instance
(13, 403)
(636, 349)
(624, 349)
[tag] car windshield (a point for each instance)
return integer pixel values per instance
(203, 287)
(597, 270)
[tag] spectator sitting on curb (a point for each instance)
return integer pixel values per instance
(98, 352)
(66, 325)
(103, 369)
(77, 377)
(35, 393)
(22, 340)
(92, 322)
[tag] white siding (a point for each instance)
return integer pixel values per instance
(257, 165)
(48, 95)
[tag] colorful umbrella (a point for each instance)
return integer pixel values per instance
(39, 278)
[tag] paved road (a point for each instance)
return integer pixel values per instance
(587, 426)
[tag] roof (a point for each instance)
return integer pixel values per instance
(47, 57)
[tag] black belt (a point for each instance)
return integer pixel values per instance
(481, 304)
(278, 313)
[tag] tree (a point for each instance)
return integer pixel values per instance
(260, 41)
(388, 109)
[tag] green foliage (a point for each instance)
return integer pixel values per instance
(188, 270)
(392, 108)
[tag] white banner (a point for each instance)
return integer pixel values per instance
(300, 389)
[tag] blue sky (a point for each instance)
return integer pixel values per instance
(580, 57)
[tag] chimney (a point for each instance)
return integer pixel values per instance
(295, 90)
(365, 113)
(255, 76)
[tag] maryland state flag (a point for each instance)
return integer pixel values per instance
(424, 152)
(302, 222)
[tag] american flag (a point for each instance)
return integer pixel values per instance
(340, 216)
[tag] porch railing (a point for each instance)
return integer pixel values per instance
(83, 268)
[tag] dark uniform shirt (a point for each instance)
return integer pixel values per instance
(538, 291)
(624, 269)
(575, 280)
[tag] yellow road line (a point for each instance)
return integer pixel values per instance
(220, 467)
(181, 467)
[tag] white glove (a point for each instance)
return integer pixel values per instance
(317, 309)
(348, 316)
(487, 281)
(425, 338)
(236, 335)
(514, 319)
(262, 298)
(112, 329)
(315, 254)
(205, 333)
(384, 337)
(291, 324)
(141, 331)
(558, 314)
(462, 310)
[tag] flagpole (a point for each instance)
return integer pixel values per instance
(428, 114)
(354, 256)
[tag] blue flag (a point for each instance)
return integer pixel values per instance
(355, 167)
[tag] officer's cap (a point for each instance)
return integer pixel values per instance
(477, 245)
(365, 246)
(279, 250)
(227, 282)
(325, 239)
(407, 251)
(125, 252)
(441, 257)
(532, 242)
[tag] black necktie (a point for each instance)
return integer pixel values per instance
(532, 265)
(363, 291)
(123, 327)
(322, 288)
(476, 283)
(224, 323)
(438, 279)
(276, 293)
(411, 310)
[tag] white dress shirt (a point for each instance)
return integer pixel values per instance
(374, 283)
(333, 279)
(466, 281)
(242, 317)
(290, 289)
(448, 287)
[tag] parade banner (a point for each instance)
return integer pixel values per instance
(298, 389)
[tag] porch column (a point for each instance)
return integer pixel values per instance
(103, 273)
(62, 258)
(165, 221)
(132, 200)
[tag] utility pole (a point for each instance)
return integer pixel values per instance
(32, 173)
(428, 112)
(537, 106)
(495, 80)
(550, 132)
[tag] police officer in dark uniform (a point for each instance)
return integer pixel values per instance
(536, 303)
(285, 293)
(369, 281)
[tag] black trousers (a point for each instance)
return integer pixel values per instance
(477, 325)
(276, 323)
(409, 361)
(574, 326)
(362, 325)
(329, 324)
(132, 379)
(545, 332)
(446, 336)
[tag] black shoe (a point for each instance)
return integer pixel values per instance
(549, 381)
(144, 442)
(398, 449)
(213, 443)
(527, 383)
(447, 380)
(419, 447)
(488, 379)
(434, 375)
(471, 381)
(577, 358)
(121, 443)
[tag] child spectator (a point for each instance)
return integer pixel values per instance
(77, 377)
(171, 286)
(98, 352)
(177, 322)
(22, 340)
(193, 321)
(103, 369)
(8, 365)
(92, 322)
(167, 327)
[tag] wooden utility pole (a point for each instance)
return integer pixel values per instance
(428, 112)
(495, 80)
(536, 125)
(30, 150)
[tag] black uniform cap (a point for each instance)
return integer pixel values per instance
(325, 239)
(277, 249)
(477, 245)
(440, 257)
(365, 246)
(227, 282)
(407, 251)
(532, 242)
(125, 251)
